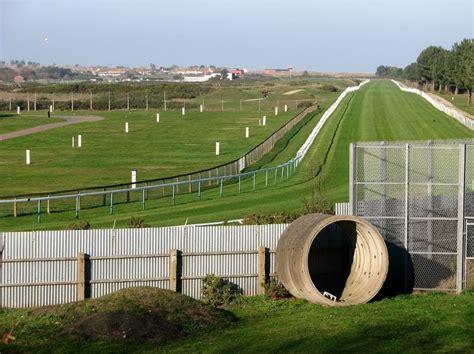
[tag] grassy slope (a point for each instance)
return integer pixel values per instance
(460, 101)
(416, 323)
(379, 111)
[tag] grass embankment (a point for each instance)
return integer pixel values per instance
(379, 111)
(460, 101)
(415, 323)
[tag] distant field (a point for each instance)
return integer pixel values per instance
(379, 111)
(175, 145)
(10, 122)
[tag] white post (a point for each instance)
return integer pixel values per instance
(18, 110)
(264, 121)
(28, 157)
(259, 122)
(218, 146)
(73, 141)
(126, 127)
(247, 132)
(183, 111)
(286, 108)
(201, 108)
(79, 140)
(157, 117)
(134, 179)
(51, 108)
(276, 111)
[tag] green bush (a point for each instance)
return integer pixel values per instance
(83, 225)
(216, 291)
(137, 223)
(275, 290)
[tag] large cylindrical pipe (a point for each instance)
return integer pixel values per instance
(332, 260)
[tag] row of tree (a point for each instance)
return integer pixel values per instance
(440, 69)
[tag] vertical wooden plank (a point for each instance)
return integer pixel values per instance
(263, 266)
(175, 270)
(81, 276)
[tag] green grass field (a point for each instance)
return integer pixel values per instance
(175, 145)
(404, 324)
(379, 111)
(10, 122)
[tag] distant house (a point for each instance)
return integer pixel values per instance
(19, 79)
(273, 71)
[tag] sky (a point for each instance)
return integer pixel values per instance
(328, 36)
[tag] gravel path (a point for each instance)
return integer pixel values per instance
(42, 128)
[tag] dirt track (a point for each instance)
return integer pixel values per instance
(42, 128)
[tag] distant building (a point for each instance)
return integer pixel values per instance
(274, 71)
(19, 79)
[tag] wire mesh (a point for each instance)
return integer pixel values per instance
(420, 195)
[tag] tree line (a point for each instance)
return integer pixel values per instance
(439, 69)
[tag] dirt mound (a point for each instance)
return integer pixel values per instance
(123, 326)
(134, 314)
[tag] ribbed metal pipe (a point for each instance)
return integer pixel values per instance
(344, 256)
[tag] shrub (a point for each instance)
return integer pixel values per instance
(83, 225)
(275, 290)
(137, 223)
(216, 291)
(329, 88)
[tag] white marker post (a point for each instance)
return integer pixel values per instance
(18, 110)
(264, 121)
(51, 108)
(276, 111)
(201, 108)
(183, 111)
(134, 179)
(247, 132)
(157, 117)
(73, 141)
(126, 127)
(286, 108)
(79, 140)
(218, 148)
(28, 157)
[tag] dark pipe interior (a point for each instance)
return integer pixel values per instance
(330, 257)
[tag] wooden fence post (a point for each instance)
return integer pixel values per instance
(175, 270)
(82, 276)
(263, 270)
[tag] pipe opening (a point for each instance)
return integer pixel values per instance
(330, 258)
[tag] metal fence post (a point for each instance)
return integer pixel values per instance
(254, 180)
(460, 227)
(39, 210)
(111, 203)
(174, 195)
(222, 187)
(407, 176)
(352, 179)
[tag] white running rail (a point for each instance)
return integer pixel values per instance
(461, 118)
(307, 144)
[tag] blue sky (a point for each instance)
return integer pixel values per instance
(350, 36)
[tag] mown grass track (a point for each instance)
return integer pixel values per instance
(378, 111)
